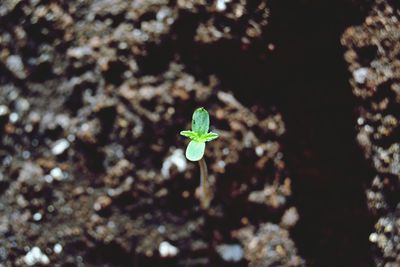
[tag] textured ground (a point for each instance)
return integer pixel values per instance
(373, 57)
(93, 171)
(93, 95)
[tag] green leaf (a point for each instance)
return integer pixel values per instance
(209, 136)
(189, 134)
(200, 121)
(195, 150)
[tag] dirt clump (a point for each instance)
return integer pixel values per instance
(372, 54)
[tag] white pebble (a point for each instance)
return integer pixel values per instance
(221, 6)
(360, 75)
(26, 154)
(23, 105)
(79, 52)
(34, 256)
(62, 120)
(4, 110)
(13, 117)
(230, 253)
(37, 216)
(290, 218)
(57, 248)
(161, 229)
(259, 151)
(15, 64)
(163, 13)
(167, 250)
(373, 237)
(57, 174)
(71, 138)
(177, 159)
(225, 151)
(59, 146)
(221, 164)
(388, 228)
(48, 178)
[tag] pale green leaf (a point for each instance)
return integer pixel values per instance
(195, 150)
(209, 136)
(189, 134)
(200, 121)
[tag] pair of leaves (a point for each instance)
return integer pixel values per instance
(199, 135)
(200, 138)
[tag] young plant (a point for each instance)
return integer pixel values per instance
(199, 135)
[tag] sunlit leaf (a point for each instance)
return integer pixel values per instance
(209, 136)
(189, 134)
(200, 121)
(195, 150)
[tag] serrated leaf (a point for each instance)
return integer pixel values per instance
(200, 121)
(190, 134)
(209, 136)
(195, 150)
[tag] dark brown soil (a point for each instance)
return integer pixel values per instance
(373, 57)
(93, 95)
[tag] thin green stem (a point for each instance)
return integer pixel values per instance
(205, 194)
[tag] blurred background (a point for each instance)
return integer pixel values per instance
(305, 96)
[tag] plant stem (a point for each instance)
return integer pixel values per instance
(205, 194)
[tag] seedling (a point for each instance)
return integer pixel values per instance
(199, 135)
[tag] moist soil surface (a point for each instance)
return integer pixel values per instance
(93, 95)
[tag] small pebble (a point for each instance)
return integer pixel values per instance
(290, 218)
(57, 174)
(360, 75)
(26, 154)
(167, 250)
(373, 237)
(102, 202)
(230, 252)
(177, 159)
(48, 178)
(37, 216)
(36, 256)
(57, 248)
(79, 52)
(16, 66)
(221, 6)
(4, 110)
(50, 208)
(388, 228)
(225, 151)
(259, 151)
(163, 13)
(14, 117)
(59, 146)
(161, 229)
(221, 164)
(22, 105)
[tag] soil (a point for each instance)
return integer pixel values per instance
(373, 57)
(93, 95)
